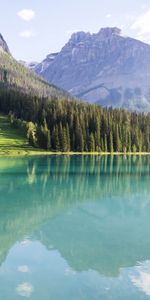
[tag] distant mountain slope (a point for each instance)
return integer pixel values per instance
(30, 65)
(3, 45)
(105, 68)
(40, 68)
(15, 76)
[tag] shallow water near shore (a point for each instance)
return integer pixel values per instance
(75, 227)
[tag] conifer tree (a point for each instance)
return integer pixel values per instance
(91, 143)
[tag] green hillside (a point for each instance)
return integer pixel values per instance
(17, 77)
(12, 140)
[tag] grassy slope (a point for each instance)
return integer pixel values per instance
(11, 139)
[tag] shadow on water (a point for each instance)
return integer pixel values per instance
(93, 209)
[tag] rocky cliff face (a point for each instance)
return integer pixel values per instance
(105, 68)
(3, 45)
(40, 68)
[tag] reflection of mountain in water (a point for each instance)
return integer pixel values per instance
(93, 210)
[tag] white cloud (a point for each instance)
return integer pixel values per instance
(69, 272)
(26, 34)
(108, 16)
(141, 277)
(23, 269)
(142, 281)
(24, 289)
(142, 23)
(26, 14)
(144, 6)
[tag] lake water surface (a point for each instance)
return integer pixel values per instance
(75, 227)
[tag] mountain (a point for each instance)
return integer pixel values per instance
(3, 45)
(14, 75)
(106, 68)
(40, 68)
(31, 65)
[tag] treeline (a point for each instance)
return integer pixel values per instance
(74, 126)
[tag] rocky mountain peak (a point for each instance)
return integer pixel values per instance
(3, 45)
(105, 68)
(109, 32)
(80, 36)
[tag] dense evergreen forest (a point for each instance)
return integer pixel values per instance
(63, 125)
(54, 121)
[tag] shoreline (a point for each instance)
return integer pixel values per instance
(49, 153)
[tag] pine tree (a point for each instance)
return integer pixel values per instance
(91, 143)
(68, 138)
(105, 144)
(48, 140)
(117, 140)
(31, 134)
(111, 147)
(55, 139)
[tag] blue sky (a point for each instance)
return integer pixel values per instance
(35, 28)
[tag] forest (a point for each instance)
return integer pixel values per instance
(70, 125)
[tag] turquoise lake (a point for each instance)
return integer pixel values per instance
(75, 228)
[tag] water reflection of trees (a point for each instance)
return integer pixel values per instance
(35, 190)
(81, 178)
(86, 176)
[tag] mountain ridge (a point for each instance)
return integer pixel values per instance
(105, 68)
(3, 45)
